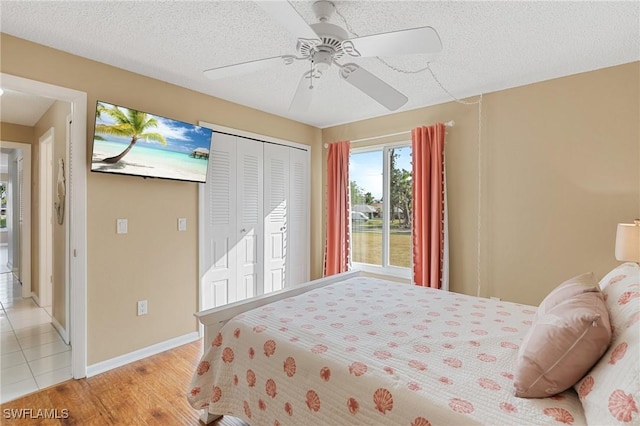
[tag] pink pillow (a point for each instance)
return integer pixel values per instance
(567, 338)
(572, 287)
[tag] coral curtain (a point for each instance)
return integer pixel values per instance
(428, 227)
(336, 253)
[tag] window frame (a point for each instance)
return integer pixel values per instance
(386, 268)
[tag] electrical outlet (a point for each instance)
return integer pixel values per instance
(142, 307)
(182, 224)
(121, 226)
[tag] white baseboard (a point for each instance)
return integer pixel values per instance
(35, 298)
(61, 330)
(125, 359)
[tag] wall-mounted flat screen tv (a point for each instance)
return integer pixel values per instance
(131, 142)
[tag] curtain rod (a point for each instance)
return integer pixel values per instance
(450, 123)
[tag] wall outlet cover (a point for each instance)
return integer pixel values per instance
(121, 226)
(142, 307)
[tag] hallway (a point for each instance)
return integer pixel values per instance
(33, 355)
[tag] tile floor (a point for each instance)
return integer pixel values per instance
(33, 355)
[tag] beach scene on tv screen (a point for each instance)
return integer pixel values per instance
(132, 142)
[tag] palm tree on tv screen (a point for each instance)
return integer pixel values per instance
(132, 123)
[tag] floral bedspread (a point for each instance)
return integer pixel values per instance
(373, 352)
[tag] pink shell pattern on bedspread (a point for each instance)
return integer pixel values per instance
(585, 387)
(383, 400)
(622, 406)
(618, 353)
(338, 353)
(560, 415)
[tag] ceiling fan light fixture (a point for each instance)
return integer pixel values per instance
(322, 67)
(322, 60)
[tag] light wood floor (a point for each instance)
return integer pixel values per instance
(147, 392)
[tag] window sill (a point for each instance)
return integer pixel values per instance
(404, 274)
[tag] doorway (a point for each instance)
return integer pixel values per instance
(18, 212)
(76, 191)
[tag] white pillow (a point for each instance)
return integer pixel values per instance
(610, 392)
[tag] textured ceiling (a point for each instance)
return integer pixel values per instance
(23, 108)
(488, 46)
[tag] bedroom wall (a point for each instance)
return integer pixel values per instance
(16, 133)
(153, 261)
(56, 117)
(560, 168)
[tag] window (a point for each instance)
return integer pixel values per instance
(3, 205)
(381, 200)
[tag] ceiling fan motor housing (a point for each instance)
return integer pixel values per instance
(330, 47)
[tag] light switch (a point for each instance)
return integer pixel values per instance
(182, 224)
(121, 226)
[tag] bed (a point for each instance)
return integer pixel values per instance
(363, 351)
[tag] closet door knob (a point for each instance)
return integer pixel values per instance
(243, 230)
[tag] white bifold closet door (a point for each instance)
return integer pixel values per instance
(255, 219)
(286, 214)
(276, 189)
(233, 221)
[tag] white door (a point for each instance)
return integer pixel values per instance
(20, 208)
(256, 197)
(276, 195)
(46, 219)
(298, 237)
(221, 232)
(250, 231)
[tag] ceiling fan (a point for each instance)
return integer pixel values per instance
(324, 44)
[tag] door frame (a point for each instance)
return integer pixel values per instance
(77, 193)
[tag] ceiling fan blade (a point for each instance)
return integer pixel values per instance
(404, 42)
(283, 12)
(244, 67)
(304, 93)
(372, 86)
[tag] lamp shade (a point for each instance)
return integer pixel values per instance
(628, 242)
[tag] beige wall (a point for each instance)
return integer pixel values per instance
(153, 261)
(560, 168)
(54, 118)
(16, 133)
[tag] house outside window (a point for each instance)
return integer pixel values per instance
(381, 202)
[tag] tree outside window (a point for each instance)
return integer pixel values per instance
(381, 203)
